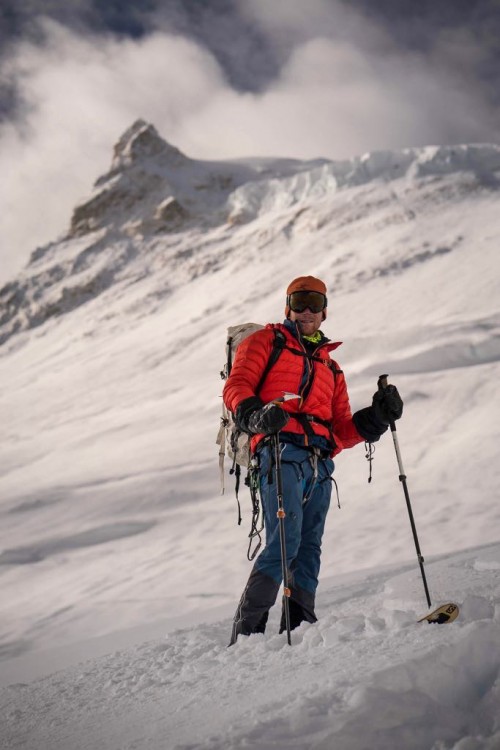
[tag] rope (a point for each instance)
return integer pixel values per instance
(252, 481)
(370, 450)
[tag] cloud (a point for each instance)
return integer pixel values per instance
(79, 95)
(342, 88)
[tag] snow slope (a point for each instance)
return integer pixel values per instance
(112, 525)
(366, 677)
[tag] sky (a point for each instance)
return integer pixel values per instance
(298, 78)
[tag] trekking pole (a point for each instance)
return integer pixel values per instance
(381, 384)
(281, 519)
(281, 514)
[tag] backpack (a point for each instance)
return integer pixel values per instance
(230, 439)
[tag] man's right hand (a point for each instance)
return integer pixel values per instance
(268, 420)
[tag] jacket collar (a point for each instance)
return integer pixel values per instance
(293, 328)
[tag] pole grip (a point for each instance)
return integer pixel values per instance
(382, 383)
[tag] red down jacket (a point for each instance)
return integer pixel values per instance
(324, 394)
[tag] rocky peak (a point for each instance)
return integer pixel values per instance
(142, 141)
(134, 193)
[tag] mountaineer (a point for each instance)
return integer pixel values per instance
(313, 425)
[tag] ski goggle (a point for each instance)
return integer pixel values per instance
(299, 301)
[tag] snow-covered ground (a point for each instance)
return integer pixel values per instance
(365, 677)
(112, 527)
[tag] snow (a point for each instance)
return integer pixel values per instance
(367, 675)
(121, 565)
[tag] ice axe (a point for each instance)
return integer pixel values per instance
(447, 612)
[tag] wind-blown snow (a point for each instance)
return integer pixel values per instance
(113, 529)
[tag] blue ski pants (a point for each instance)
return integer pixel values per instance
(306, 501)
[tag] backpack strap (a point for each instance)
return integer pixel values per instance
(279, 343)
(328, 362)
(229, 364)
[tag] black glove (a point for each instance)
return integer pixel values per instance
(244, 411)
(268, 420)
(387, 404)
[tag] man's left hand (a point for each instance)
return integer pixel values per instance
(387, 404)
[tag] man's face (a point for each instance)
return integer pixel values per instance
(307, 321)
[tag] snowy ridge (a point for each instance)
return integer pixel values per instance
(153, 195)
(153, 187)
(254, 199)
(366, 677)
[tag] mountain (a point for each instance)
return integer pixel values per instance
(113, 340)
(153, 191)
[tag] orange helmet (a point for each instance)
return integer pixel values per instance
(305, 284)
